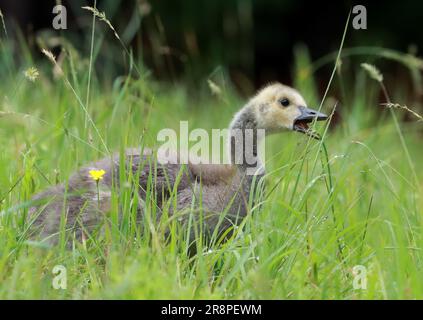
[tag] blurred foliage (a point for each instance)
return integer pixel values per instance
(246, 43)
(252, 40)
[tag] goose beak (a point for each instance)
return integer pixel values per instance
(307, 115)
(310, 114)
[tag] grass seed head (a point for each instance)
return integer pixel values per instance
(373, 72)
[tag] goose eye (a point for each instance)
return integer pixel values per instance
(285, 102)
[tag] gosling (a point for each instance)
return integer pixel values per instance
(215, 190)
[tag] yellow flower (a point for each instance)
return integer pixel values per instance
(97, 175)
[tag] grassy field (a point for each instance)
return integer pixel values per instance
(323, 214)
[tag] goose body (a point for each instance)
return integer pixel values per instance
(213, 188)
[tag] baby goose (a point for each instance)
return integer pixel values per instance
(213, 188)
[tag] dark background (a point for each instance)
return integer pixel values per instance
(253, 41)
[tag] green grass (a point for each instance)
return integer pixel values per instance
(319, 218)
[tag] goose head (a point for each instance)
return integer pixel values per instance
(274, 109)
(279, 108)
